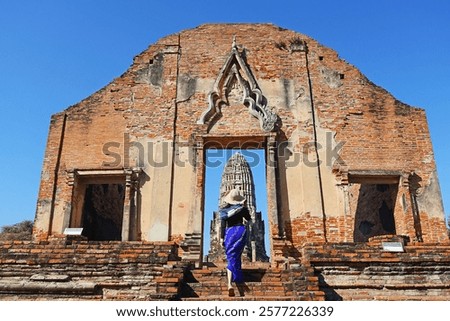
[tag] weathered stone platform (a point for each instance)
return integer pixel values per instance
(88, 271)
(81, 270)
(361, 272)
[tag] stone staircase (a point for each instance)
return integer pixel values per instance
(262, 282)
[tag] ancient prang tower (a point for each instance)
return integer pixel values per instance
(354, 207)
(238, 174)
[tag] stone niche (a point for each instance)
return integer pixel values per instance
(103, 212)
(373, 207)
(105, 204)
(377, 204)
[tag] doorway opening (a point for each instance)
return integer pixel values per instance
(102, 214)
(244, 169)
(374, 207)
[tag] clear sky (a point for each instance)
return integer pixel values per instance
(55, 53)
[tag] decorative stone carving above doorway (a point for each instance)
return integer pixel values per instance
(235, 77)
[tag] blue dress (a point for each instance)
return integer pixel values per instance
(234, 241)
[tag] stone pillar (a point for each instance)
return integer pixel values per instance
(341, 172)
(409, 224)
(276, 228)
(192, 245)
(72, 183)
(134, 234)
(126, 208)
(129, 206)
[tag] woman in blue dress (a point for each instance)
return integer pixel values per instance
(235, 215)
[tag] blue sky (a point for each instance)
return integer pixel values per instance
(55, 53)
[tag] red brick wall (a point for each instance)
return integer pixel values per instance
(164, 93)
(365, 272)
(88, 271)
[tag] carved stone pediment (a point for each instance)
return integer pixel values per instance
(236, 73)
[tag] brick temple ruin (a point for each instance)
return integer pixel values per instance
(354, 205)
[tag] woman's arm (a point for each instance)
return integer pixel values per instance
(222, 229)
(246, 214)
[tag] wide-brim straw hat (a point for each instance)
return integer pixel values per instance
(234, 197)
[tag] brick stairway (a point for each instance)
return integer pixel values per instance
(262, 282)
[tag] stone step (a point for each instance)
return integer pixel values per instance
(246, 270)
(225, 297)
(253, 265)
(261, 282)
(248, 289)
(247, 278)
(219, 282)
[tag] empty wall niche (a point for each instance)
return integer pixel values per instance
(103, 212)
(373, 207)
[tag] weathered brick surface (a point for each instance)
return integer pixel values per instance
(88, 271)
(365, 272)
(261, 283)
(152, 115)
(153, 271)
(162, 96)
